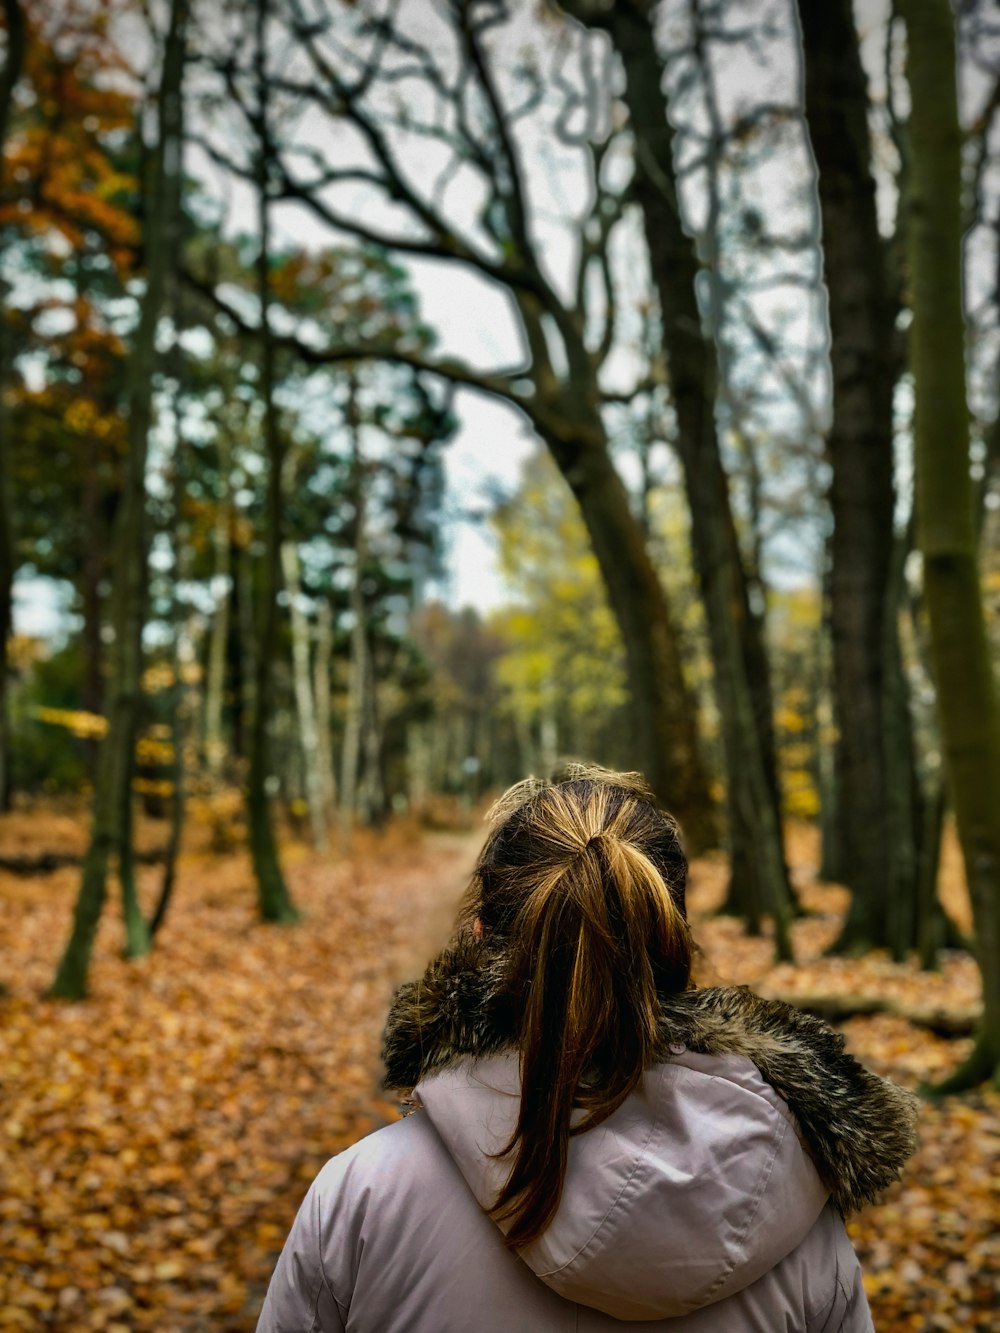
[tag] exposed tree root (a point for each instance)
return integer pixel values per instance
(838, 1008)
(46, 862)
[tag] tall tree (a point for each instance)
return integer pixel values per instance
(560, 391)
(874, 781)
(359, 680)
(274, 898)
(111, 828)
(743, 693)
(967, 687)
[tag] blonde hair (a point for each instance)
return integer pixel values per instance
(580, 888)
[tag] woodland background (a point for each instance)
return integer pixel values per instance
(734, 267)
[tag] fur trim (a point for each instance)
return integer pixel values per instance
(859, 1128)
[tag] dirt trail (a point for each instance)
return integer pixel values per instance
(428, 897)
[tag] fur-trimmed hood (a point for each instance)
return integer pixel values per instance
(727, 1157)
(859, 1129)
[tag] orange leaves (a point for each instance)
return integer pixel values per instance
(73, 118)
(156, 1140)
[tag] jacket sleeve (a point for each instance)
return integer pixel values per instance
(300, 1298)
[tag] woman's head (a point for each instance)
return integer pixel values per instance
(580, 887)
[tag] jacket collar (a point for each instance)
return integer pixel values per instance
(859, 1128)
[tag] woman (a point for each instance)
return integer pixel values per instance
(593, 1141)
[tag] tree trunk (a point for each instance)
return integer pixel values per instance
(137, 935)
(111, 830)
(827, 768)
(91, 574)
(350, 754)
(904, 813)
(322, 666)
(418, 766)
(739, 660)
(933, 923)
(968, 703)
(8, 81)
(878, 856)
(305, 703)
(241, 649)
(93, 557)
(664, 713)
(273, 896)
(371, 789)
(215, 682)
(182, 651)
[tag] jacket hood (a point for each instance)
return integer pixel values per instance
(712, 1171)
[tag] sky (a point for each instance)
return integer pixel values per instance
(493, 440)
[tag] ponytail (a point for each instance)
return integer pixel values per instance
(587, 893)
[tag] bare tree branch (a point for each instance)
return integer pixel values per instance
(511, 385)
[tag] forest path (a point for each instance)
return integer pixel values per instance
(183, 1108)
(428, 895)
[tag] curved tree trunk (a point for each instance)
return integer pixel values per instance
(739, 660)
(968, 697)
(111, 830)
(664, 712)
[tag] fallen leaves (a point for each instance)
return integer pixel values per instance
(930, 1249)
(156, 1140)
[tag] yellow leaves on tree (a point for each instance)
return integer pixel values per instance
(562, 651)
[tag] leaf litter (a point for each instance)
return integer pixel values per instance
(156, 1140)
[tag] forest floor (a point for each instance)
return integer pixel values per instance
(156, 1139)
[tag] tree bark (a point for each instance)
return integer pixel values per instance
(274, 899)
(875, 778)
(968, 703)
(111, 829)
(739, 660)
